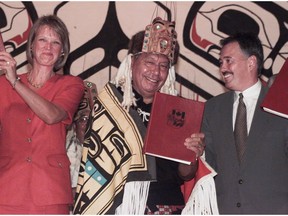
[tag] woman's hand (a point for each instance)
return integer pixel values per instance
(8, 66)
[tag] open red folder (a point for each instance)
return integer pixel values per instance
(275, 100)
(172, 120)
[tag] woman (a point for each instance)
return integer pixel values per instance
(116, 175)
(36, 108)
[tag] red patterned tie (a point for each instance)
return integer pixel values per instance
(240, 131)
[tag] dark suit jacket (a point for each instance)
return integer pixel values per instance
(260, 184)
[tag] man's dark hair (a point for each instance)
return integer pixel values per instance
(250, 44)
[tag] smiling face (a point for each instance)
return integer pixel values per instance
(238, 70)
(46, 47)
(149, 73)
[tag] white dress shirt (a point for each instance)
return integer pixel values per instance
(250, 97)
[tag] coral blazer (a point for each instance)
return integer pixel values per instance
(33, 157)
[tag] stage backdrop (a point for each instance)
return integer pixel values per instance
(100, 31)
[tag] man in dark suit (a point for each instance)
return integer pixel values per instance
(255, 182)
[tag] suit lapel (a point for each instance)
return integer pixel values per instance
(228, 120)
(227, 125)
(257, 130)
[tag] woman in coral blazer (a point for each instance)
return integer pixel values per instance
(36, 108)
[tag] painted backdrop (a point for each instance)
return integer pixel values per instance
(100, 31)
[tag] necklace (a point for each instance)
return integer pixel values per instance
(29, 79)
(33, 84)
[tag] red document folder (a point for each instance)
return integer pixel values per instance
(276, 100)
(172, 120)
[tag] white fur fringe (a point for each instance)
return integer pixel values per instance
(134, 198)
(202, 200)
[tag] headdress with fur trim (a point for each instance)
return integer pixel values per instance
(159, 37)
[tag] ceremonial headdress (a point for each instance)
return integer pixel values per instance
(159, 37)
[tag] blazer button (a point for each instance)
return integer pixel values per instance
(240, 181)
(28, 120)
(29, 159)
(238, 205)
